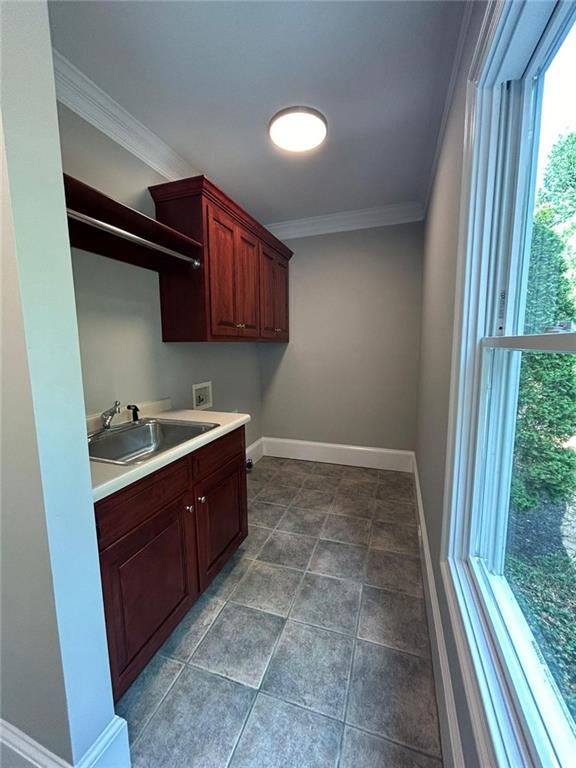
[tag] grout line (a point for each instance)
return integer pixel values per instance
(184, 665)
(403, 651)
(322, 627)
(345, 725)
(263, 676)
(202, 636)
(393, 591)
(392, 551)
(256, 692)
(403, 744)
(352, 659)
(133, 744)
(395, 553)
(331, 576)
(261, 547)
(281, 565)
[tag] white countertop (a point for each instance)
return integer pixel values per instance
(109, 478)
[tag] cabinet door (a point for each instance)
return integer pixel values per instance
(222, 274)
(221, 517)
(247, 267)
(149, 580)
(267, 292)
(273, 295)
(281, 298)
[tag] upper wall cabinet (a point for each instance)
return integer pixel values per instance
(240, 293)
(273, 295)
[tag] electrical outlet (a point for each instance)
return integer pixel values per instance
(202, 395)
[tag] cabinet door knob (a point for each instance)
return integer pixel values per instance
(202, 499)
(189, 508)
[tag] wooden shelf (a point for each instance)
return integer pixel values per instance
(98, 224)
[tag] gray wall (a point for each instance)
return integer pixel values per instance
(118, 305)
(438, 300)
(350, 372)
(124, 357)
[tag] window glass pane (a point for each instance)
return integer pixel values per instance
(551, 293)
(540, 558)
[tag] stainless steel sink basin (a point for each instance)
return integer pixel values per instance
(134, 443)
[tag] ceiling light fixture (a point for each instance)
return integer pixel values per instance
(298, 129)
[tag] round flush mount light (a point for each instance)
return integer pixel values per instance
(298, 129)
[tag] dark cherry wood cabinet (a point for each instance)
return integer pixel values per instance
(222, 238)
(247, 250)
(221, 517)
(149, 581)
(162, 540)
(227, 298)
(273, 295)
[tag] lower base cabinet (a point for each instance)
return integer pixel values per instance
(162, 540)
(220, 517)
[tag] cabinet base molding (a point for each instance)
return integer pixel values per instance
(333, 453)
(110, 748)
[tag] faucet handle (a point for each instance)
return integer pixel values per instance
(109, 414)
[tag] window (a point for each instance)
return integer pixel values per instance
(511, 545)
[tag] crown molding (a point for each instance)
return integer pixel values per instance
(454, 73)
(90, 102)
(347, 221)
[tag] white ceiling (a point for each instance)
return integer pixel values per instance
(207, 76)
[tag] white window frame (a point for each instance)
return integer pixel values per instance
(517, 717)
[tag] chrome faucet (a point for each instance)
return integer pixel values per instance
(109, 414)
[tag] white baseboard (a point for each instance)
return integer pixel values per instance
(18, 750)
(452, 752)
(335, 453)
(255, 450)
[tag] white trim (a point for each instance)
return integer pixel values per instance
(542, 342)
(255, 450)
(454, 74)
(335, 453)
(30, 751)
(474, 677)
(449, 728)
(110, 748)
(77, 92)
(347, 221)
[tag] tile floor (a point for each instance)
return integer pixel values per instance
(310, 649)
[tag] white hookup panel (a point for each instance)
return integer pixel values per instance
(202, 395)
